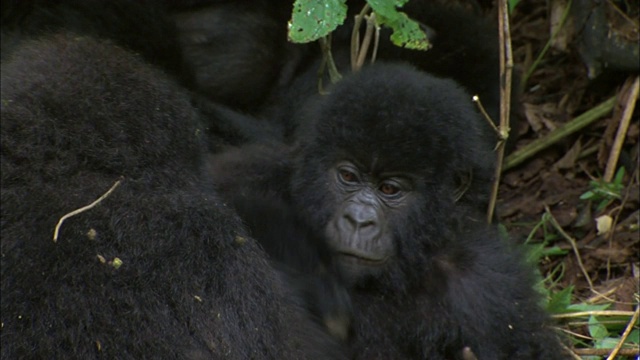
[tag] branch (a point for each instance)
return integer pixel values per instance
(506, 66)
(632, 96)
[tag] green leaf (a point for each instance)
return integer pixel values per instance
(406, 32)
(512, 5)
(607, 343)
(550, 237)
(313, 19)
(597, 331)
(534, 253)
(619, 175)
(633, 338)
(587, 307)
(560, 301)
(603, 204)
(553, 251)
(588, 195)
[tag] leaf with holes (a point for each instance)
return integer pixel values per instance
(313, 19)
(406, 32)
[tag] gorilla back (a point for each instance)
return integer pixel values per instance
(156, 270)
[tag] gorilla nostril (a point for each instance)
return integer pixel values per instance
(358, 221)
(349, 220)
(367, 223)
(347, 215)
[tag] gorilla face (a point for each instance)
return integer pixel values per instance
(359, 231)
(377, 163)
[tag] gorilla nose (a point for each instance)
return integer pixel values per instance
(361, 219)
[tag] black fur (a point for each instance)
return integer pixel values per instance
(255, 180)
(301, 255)
(229, 54)
(235, 49)
(452, 283)
(77, 115)
(143, 27)
(464, 48)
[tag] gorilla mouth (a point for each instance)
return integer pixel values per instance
(361, 259)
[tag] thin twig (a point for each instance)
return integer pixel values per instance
(621, 134)
(483, 111)
(355, 36)
(574, 246)
(583, 323)
(593, 313)
(603, 296)
(573, 333)
(506, 67)
(629, 327)
(376, 43)
(603, 352)
(325, 44)
(546, 47)
(573, 355)
(364, 47)
(83, 209)
(321, 68)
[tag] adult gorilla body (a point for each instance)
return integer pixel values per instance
(77, 115)
(227, 53)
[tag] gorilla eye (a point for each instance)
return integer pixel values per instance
(347, 176)
(389, 189)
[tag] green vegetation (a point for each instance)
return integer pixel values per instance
(313, 19)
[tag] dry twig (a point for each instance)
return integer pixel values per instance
(83, 209)
(506, 67)
(593, 313)
(359, 50)
(603, 352)
(627, 330)
(574, 246)
(621, 134)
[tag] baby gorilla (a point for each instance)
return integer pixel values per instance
(375, 172)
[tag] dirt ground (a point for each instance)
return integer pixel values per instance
(542, 197)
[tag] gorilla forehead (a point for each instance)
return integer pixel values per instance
(393, 114)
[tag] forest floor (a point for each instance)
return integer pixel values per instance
(570, 197)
